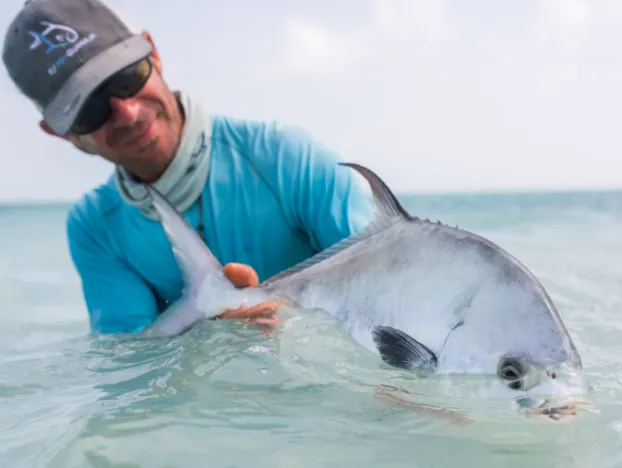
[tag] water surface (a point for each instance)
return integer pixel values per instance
(226, 396)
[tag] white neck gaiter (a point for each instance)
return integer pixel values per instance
(185, 177)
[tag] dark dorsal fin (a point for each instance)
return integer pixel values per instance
(388, 210)
(386, 202)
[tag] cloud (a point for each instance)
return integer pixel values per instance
(557, 36)
(424, 22)
(552, 29)
(572, 15)
(317, 51)
(561, 25)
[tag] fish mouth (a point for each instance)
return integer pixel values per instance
(550, 410)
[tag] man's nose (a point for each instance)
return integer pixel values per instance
(124, 111)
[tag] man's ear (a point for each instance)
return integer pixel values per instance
(47, 129)
(79, 142)
(155, 55)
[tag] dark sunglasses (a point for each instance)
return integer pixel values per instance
(123, 84)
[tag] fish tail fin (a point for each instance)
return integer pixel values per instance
(207, 291)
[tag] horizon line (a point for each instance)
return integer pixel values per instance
(17, 202)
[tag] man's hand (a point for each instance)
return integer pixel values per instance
(262, 314)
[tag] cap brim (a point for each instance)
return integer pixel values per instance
(63, 110)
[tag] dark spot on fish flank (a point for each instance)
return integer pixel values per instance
(509, 272)
(457, 325)
(401, 262)
(453, 328)
(485, 250)
(301, 288)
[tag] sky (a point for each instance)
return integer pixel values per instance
(436, 96)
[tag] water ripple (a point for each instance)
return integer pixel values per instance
(223, 395)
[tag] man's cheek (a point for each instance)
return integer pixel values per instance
(86, 143)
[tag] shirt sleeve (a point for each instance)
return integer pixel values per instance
(117, 299)
(326, 200)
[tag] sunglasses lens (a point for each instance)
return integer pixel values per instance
(130, 80)
(94, 114)
(124, 84)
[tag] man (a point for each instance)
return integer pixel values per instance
(262, 197)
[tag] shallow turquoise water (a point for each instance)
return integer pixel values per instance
(231, 397)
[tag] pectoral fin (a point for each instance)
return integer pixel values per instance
(401, 350)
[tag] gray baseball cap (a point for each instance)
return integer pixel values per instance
(58, 52)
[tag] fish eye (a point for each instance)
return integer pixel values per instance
(512, 370)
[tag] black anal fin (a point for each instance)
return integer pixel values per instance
(401, 350)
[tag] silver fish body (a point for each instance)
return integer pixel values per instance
(422, 295)
(464, 299)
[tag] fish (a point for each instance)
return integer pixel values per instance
(422, 296)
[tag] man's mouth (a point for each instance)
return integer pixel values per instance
(140, 136)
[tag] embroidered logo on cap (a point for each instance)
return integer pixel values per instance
(58, 36)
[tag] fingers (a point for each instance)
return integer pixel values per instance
(267, 325)
(241, 275)
(261, 314)
(265, 321)
(265, 309)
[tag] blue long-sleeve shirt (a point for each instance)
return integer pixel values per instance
(273, 198)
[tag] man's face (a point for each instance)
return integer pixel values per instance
(143, 131)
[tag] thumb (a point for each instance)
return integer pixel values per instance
(241, 275)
